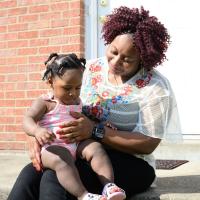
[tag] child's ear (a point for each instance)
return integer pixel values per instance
(49, 81)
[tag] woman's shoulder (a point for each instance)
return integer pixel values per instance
(160, 80)
(157, 85)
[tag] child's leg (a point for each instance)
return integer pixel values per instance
(60, 159)
(94, 153)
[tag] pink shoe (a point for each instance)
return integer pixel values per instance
(90, 196)
(113, 192)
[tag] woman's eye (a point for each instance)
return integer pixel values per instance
(113, 51)
(127, 61)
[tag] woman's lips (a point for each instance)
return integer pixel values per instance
(115, 69)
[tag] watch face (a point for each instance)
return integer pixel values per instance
(98, 132)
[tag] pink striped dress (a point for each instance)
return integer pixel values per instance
(52, 119)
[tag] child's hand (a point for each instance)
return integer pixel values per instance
(44, 136)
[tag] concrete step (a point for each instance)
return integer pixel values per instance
(181, 183)
(187, 150)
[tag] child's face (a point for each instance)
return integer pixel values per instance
(67, 88)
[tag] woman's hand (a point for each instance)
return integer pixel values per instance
(76, 130)
(34, 153)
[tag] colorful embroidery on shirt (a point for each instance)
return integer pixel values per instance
(101, 98)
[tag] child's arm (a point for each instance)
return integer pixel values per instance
(33, 115)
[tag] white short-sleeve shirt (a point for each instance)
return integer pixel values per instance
(145, 103)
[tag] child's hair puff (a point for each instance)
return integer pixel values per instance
(57, 64)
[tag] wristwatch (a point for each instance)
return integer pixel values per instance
(98, 132)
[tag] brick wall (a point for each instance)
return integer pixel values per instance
(29, 31)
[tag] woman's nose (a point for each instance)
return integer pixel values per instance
(117, 60)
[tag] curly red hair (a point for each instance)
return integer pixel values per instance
(150, 37)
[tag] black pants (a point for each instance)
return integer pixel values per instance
(132, 174)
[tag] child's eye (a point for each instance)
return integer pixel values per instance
(67, 89)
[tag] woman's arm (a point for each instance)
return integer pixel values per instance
(34, 153)
(129, 142)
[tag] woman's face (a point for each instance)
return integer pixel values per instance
(123, 58)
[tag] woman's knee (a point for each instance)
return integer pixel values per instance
(50, 187)
(26, 185)
(29, 175)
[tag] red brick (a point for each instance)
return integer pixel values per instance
(15, 94)
(59, 40)
(28, 35)
(19, 119)
(17, 27)
(7, 137)
(29, 51)
(20, 137)
(29, 18)
(38, 9)
(75, 4)
(9, 36)
(51, 15)
(23, 103)
(73, 13)
(7, 120)
(13, 128)
(5, 86)
(3, 29)
(38, 42)
(60, 23)
(35, 94)
(7, 103)
(2, 95)
(8, 4)
(2, 78)
(71, 48)
(3, 13)
(3, 45)
(34, 76)
(75, 21)
(60, 6)
(48, 50)
(7, 52)
(17, 43)
(16, 77)
(72, 30)
(50, 32)
(8, 20)
(17, 60)
(37, 59)
(3, 61)
(17, 11)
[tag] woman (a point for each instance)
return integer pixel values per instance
(131, 95)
